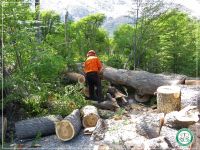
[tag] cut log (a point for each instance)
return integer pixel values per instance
(144, 82)
(76, 77)
(31, 127)
(168, 99)
(69, 127)
(90, 116)
(3, 127)
(192, 82)
(150, 125)
(99, 131)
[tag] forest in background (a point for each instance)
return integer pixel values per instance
(38, 48)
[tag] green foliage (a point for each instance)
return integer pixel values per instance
(48, 66)
(66, 102)
(116, 61)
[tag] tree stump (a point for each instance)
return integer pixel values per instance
(69, 127)
(31, 127)
(168, 99)
(90, 116)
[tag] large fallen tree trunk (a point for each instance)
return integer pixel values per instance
(90, 116)
(32, 127)
(69, 127)
(144, 82)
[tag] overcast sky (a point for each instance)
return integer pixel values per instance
(60, 5)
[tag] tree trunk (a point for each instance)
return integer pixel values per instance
(168, 99)
(3, 127)
(144, 82)
(90, 116)
(31, 127)
(69, 127)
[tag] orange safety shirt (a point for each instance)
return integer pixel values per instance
(92, 64)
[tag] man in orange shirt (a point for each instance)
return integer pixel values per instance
(92, 67)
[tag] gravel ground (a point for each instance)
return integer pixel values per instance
(81, 141)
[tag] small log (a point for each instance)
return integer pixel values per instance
(168, 99)
(31, 127)
(99, 131)
(69, 127)
(3, 127)
(90, 116)
(192, 82)
(75, 77)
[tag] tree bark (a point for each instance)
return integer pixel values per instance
(168, 99)
(3, 127)
(144, 82)
(69, 127)
(90, 116)
(31, 127)
(99, 131)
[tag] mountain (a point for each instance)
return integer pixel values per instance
(116, 11)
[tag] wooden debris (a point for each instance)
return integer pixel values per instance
(69, 127)
(168, 99)
(88, 131)
(150, 125)
(99, 131)
(181, 119)
(32, 127)
(141, 98)
(117, 94)
(105, 114)
(109, 104)
(90, 116)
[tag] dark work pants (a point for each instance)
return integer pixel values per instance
(93, 80)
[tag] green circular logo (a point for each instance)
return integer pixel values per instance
(184, 137)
